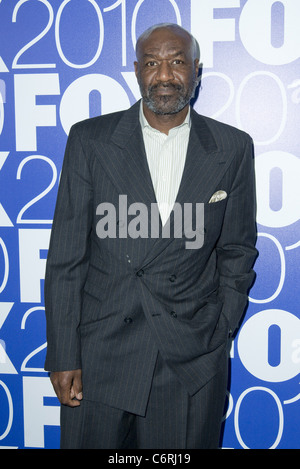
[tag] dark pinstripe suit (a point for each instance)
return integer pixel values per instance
(112, 304)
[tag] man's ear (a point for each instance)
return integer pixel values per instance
(136, 68)
(197, 66)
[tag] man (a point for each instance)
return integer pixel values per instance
(139, 322)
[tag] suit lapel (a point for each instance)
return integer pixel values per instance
(204, 163)
(124, 159)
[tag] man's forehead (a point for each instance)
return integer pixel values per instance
(173, 40)
(171, 49)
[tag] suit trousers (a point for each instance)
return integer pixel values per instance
(173, 420)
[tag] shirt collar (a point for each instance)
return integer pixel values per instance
(144, 123)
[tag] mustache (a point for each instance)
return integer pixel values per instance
(165, 86)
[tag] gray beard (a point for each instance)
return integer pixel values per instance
(162, 105)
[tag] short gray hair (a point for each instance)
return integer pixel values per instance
(149, 31)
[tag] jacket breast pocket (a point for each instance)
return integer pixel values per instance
(205, 226)
(215, 206)
(213, 216)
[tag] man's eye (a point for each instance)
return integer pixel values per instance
(177, 62)
(151, 63)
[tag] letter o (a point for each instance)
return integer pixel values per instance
(280, 412)
(253, 346)
(10, 409)
(255, 31)
(290, 208)
(74, 105)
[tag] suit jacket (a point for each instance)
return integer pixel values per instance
(113, 303)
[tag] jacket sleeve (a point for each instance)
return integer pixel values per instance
(68, 258)
(236, 250)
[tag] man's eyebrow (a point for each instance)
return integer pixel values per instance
(180, 52)
(149, 55)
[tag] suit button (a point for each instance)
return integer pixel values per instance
(140, 273)
(128, 320)
(172, 278)
(173, 314)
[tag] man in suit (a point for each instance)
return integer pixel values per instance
(140, 319)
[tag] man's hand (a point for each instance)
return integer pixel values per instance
(68, 386)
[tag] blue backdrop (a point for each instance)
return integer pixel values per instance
(62, 61)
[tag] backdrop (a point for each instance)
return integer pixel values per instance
(63, 61)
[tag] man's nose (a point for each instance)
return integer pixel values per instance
(164, 72)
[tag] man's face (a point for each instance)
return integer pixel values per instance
(166, 70)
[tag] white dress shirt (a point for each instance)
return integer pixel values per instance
(166, 158)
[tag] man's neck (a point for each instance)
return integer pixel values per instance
(164, 123)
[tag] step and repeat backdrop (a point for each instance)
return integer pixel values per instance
(63, 61)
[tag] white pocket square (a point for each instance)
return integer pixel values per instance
(217, 196)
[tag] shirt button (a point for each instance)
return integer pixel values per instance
(128, 320)
(172, 278)
(140, 273)
(173, 314)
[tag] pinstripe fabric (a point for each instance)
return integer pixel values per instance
(166, 157)
(113, 303)
(174, 420)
